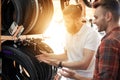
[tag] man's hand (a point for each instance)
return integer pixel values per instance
(53, 62)
(42, 56)
(72, 74)
(45, 57)
(67, 73)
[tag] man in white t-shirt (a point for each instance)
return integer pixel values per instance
(81, 44)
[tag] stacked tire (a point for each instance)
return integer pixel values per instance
(18, 57)
(19, 62)
(34, 15)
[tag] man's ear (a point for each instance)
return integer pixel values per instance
(108, 16)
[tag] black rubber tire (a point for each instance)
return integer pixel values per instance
(12, 56)
(37, 65)
(24, 12)
(87, 3)
(44, 70)
(46, 10)
(34, 15)
(62, 4)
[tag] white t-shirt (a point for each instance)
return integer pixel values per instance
(88, 38)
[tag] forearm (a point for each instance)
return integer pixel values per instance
(78, 77)
(83, 63)
(76, 65)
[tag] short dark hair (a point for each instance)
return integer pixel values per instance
(73, 10)
(110, 5)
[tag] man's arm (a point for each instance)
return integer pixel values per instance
(71, 74)
(107, 61)
(84, 63)
(45, 55)
(53, 59)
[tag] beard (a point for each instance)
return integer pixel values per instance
(102, 28)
